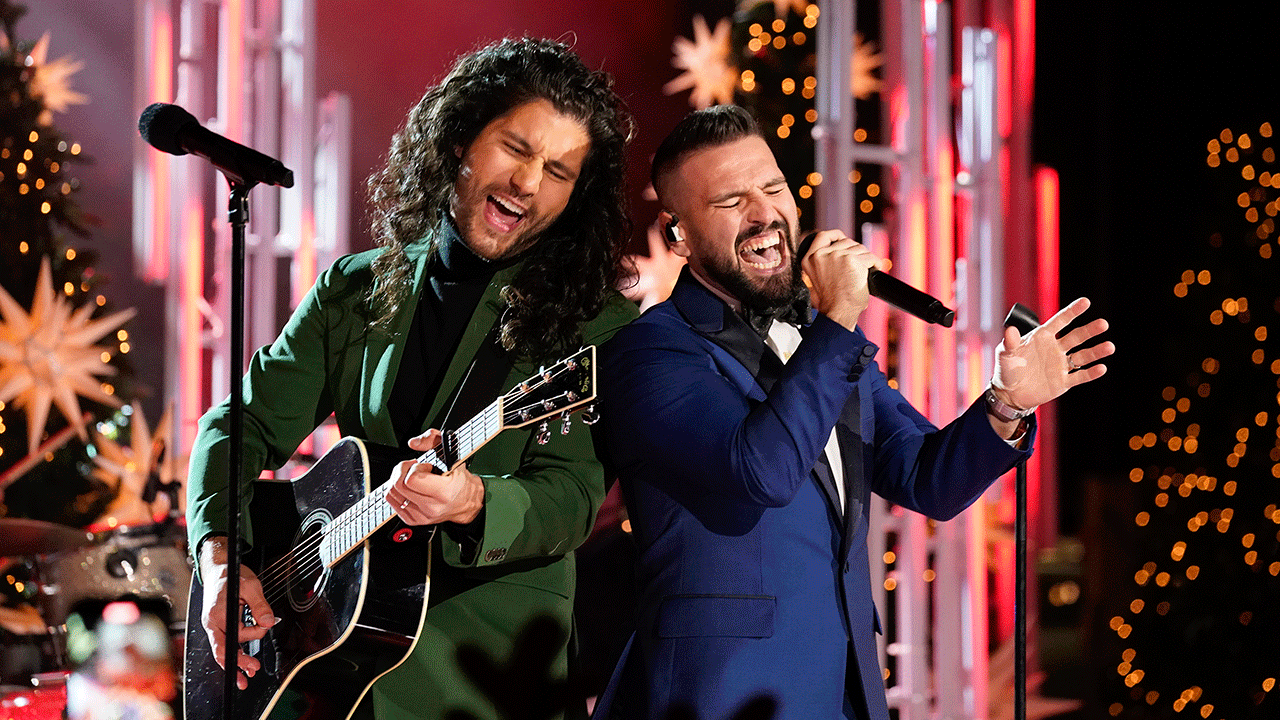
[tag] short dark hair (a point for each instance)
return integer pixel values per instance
(567, 277)
(716, 125)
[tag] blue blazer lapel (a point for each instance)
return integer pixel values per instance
(717, 322)
(731, 336)
(849, 437)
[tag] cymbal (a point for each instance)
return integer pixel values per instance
(20, 536)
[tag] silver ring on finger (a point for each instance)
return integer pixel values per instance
(1071, 364)
(404, 504)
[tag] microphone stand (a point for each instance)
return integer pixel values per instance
(1021, 317)
(238, 216)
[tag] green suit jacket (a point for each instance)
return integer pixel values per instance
(540, 500)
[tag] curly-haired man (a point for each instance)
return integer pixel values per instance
(501, 218)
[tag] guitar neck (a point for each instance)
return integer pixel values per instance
(365, 516)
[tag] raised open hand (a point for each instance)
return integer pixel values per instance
(1032, 370)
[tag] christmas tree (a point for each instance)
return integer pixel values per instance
(1195, 635)
(62, 354)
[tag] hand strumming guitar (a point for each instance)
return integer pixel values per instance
(213, 573)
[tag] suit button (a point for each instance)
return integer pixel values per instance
(848, 566)
(495, 555)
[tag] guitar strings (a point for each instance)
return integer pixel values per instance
(358, 515)
(371, 504)
(274, 578)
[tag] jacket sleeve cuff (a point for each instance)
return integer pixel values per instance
(488, 538)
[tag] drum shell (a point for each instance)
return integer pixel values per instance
(149, 561)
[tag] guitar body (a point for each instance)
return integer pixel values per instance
(340, 628)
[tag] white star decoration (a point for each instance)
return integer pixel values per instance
(127, 470)
(705, 61)
(51, 81)
(862, 82)
(48, 357)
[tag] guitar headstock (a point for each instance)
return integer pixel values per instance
(564, 387)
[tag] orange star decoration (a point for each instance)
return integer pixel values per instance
(705, 61)
(48, 357)
(51, 81)
(127, 470)
(862, 81)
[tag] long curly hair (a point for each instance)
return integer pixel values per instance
(568, 273)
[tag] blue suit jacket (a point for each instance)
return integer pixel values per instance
(751, 581)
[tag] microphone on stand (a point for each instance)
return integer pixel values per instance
(897, 293)
(171, 129)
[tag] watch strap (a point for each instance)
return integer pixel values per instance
(1003, 411)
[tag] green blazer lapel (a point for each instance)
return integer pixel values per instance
(482, 321)
(382, 352)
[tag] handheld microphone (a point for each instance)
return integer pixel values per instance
(897, 293)
(171, 129)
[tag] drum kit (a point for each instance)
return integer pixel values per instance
(54, 570)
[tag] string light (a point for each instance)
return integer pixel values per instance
(1171, 488)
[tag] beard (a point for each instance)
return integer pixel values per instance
(468, 206)
(767, 297)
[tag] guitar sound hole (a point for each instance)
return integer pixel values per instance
(307, 572)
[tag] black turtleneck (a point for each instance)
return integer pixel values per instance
(456, 279)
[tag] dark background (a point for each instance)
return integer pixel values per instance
(1127, 97)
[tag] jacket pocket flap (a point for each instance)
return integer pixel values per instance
(717, 616)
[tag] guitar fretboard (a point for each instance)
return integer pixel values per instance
(371, 512)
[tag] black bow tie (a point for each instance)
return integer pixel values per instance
(796, 312)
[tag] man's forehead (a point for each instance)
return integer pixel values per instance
(736, 165)
(535, 115)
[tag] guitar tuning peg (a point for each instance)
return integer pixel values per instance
(590, 416)
(544, 433)
(566, 420)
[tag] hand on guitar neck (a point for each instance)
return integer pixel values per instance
(422, 495)
(213, 572)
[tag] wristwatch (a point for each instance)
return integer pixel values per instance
(1007, 413)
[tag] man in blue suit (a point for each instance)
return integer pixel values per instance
(749, 432)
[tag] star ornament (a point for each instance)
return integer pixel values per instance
(862, 80)
(48, 357)
(705, 61)
(51, 81)
(128, 469)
